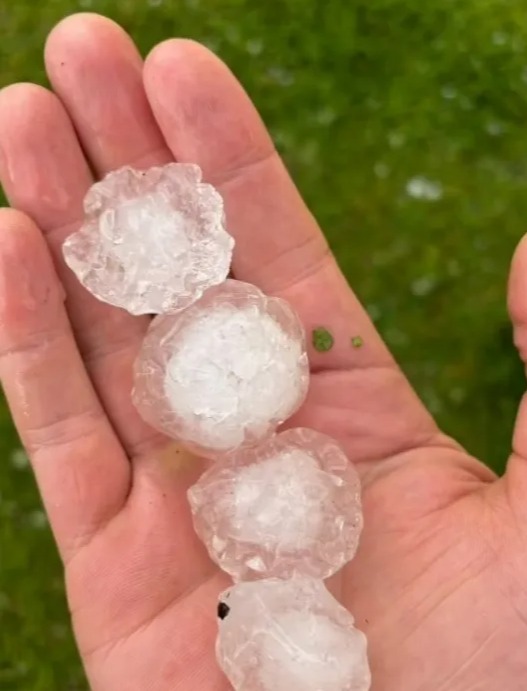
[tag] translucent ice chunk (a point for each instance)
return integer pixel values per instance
(225, 372)
(288, 506)
(291, 635)
(153, 241)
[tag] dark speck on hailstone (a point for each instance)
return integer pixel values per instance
(322, 340)
(223, 610)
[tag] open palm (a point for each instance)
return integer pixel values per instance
(439, 581)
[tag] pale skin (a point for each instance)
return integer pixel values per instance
(439, 583)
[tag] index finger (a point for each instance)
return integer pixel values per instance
(358, 394)
(206, 117)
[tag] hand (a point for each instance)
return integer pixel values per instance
(439, 581)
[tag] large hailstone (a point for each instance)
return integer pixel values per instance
(152, 241)
(290, 506)
(277, 635)
(225, 372)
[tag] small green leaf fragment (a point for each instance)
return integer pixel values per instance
(357, 342)
(322, 340)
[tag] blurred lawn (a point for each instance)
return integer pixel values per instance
(404, 125)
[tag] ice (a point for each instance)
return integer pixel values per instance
(152, 241)
(225, 372)
(290, 506)
(291, 635)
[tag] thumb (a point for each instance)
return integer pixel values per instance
(516, 472)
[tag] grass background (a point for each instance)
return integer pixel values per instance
(404, 124)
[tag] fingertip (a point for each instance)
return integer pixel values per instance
(517, 289)
(84, 29)
(83, 41)
(15, 224)
(96, 69)
(40, 161)
(190, 71)
(20, 100)
(202, 109)
(182, 50)
(23, 108)
(18, 104)
(517, 297)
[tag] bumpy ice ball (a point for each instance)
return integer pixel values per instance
(224, 373)
(290, 506)
(152, 241)
(289, 635)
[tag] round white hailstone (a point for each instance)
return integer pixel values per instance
(152, 241)
(290, 506)
(279, 635)
(224, 373)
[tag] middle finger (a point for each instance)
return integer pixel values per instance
(96, 70)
